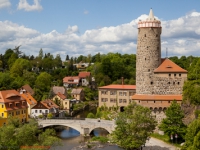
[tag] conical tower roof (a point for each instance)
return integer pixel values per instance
(151, 16)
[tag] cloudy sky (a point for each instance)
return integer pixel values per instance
(82, 27)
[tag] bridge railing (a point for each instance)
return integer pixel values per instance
(67, 118)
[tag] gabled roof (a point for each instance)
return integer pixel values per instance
(29, 98)
(7, 96)
(58, 89)
(61, 96)
(119, 86)
(49, 104)
(169, 66)
(69, 79)
(28, 89)
(84, 74)
(157, 97)
(76, 91)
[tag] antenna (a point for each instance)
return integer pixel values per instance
(166, 52)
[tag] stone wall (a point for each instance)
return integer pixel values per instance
(148, 58)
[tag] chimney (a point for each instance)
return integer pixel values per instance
(122, 80)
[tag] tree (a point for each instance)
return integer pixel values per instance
(14, 135)
(18, 67)
(134, 126)
(192, 138)
(173, 123)
(43, 82)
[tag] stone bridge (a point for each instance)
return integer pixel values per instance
(84, 126)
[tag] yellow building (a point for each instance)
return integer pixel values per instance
(12, 104)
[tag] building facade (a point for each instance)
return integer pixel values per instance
(12, 104)
(116, 95)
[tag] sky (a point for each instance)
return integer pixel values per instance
(83, 27)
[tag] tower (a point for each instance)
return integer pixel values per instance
(148, 53)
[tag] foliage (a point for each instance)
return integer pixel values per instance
(90, 115)
(173, 123)
(101, 139)
(134, 126)
(90, 94)
(18, 136)
(192, 138)
(43, 82)
(50, 115)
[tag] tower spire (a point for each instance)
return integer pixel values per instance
(151, 16)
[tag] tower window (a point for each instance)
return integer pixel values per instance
(168, 82)
(156, 35)
(178, 83)
(148, 70)
(145, 35)
(145, 59)
(151, 82)
(173, 83)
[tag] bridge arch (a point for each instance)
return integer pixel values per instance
(66, 125)
(92, 129)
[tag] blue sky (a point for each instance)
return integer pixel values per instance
(82, 27)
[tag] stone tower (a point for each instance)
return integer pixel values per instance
(148, 53)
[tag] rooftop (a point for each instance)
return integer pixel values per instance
(119, 86)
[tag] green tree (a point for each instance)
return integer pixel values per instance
(134, 126)
(192, 137)
(19, 66)
(90, 115)
(43, 82)
(173, 123)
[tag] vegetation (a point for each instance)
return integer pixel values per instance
(18, 136)
(192, 138)
(134, 126)
(173, 125)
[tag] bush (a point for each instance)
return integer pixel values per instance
(40, 116)
(90, 115)
(50, 116)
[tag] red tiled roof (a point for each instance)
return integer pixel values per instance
(29, 98)
(58, 89)
(67, 79)
(61, 96)
(84, 74)
(157, 97)
(169, 66)
(49, 104)
(10, 96)
(119, 86)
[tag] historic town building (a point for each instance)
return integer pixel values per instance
(158, 81)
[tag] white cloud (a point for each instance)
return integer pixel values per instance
(180, 36)
(23, 4)
(4, 4)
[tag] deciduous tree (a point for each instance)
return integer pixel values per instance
(134, 126)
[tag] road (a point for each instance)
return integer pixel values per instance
(155, 144)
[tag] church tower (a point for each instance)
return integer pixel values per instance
(148, 53)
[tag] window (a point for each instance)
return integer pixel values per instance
(12, 113)
(112, 100)
(124, 100)
(179, 75)
(173, 83)
(65, 103)
(144, 35)
(2, 114)
(139, 101)
(169, 75)
(104, 100)
(168, 82)
(151, 82)
(2, 105)
(46, 111)
(40, 111)
(112, 92)
(104, 92)
(35, 111)
(168, 101)
(178, 83)
(22, 111)
(120, 100)
(154, 101)
(174, 74)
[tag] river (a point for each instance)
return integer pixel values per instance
(72, 138)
